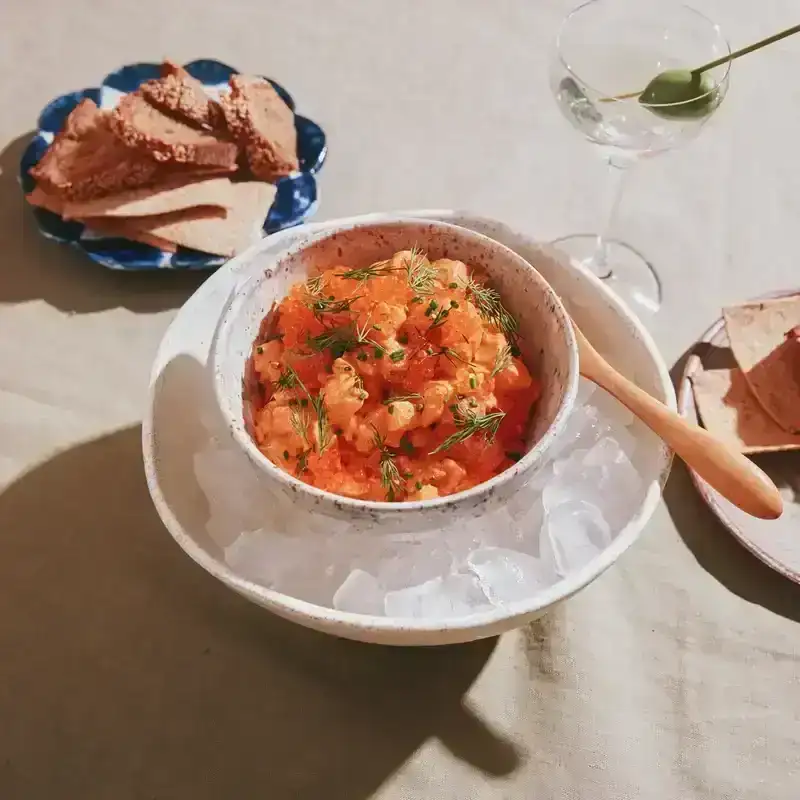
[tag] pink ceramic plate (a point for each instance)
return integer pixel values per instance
(777, 542)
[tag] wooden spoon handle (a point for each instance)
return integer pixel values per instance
(729, 472)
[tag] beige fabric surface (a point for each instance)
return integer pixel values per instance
(128, 673)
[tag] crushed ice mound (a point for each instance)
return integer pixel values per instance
(571, 510)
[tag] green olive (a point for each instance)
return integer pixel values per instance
(679, 94)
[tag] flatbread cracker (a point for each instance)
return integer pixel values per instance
(105, 226)
(153, 134)
(86, 160)
(263, 125)
(137, 228)
(757, 334)
(147, 202)
(42, 199)
(730, 411)
(223, 237)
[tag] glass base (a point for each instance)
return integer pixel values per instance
(628, 273)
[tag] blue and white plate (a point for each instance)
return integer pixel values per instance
(295, 200)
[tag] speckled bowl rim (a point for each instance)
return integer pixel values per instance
(687, 409)
(470, 497)
(388, 630)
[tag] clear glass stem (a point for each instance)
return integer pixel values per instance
(599, 262)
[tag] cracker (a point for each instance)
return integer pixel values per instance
(730, 411)
(116, 227)
(757, 334)
(180, 95)
(263, 125)
(86, 160)
(42, 199)
(144, 128)
(221, 236)
(150, 201)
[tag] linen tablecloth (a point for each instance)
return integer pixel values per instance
(127, 672)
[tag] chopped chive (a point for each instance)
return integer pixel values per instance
(378, 352)
(397, 355)
(433, 305)
(391, 409)
(406, 446)
(454, 304)
(304, 402)
(514, 455)
(515, 351)
(418, 486)
(452, 285)
(285, 455)
(362, 356)
(338, 431)
(260, 350)
(408, 475)
(473, 382)
(377, 328)
(417, 300)
(403, 338)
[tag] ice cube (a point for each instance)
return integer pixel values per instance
(450, 596)
(414, 562)
(360, 594)
(582, 429)
(627, 440)
(262, 556)
(574, 481)
(610, 410)
(576, 531)
(621, 477)
(509, 575)
(585, 391)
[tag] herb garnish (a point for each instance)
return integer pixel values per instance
(491, 308)
(328, 305)
(288, 379)
(324, 433)
(391, 480)
(362, 274)
(314, 285)
(421, 274)
(342, 339)
(502, 360)
(470, 423)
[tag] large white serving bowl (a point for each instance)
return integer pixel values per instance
(546, 339)
(183, 417)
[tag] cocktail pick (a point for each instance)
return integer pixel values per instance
(689, 92)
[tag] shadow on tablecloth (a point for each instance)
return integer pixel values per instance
(717, 550)
(35, 268)
(128, 672)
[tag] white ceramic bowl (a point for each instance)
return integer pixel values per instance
(547, 342)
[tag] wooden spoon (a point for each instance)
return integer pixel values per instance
(729, 472)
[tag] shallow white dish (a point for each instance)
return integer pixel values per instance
(183, 418)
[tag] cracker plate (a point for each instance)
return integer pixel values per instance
(296, 198)
(775, 542)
